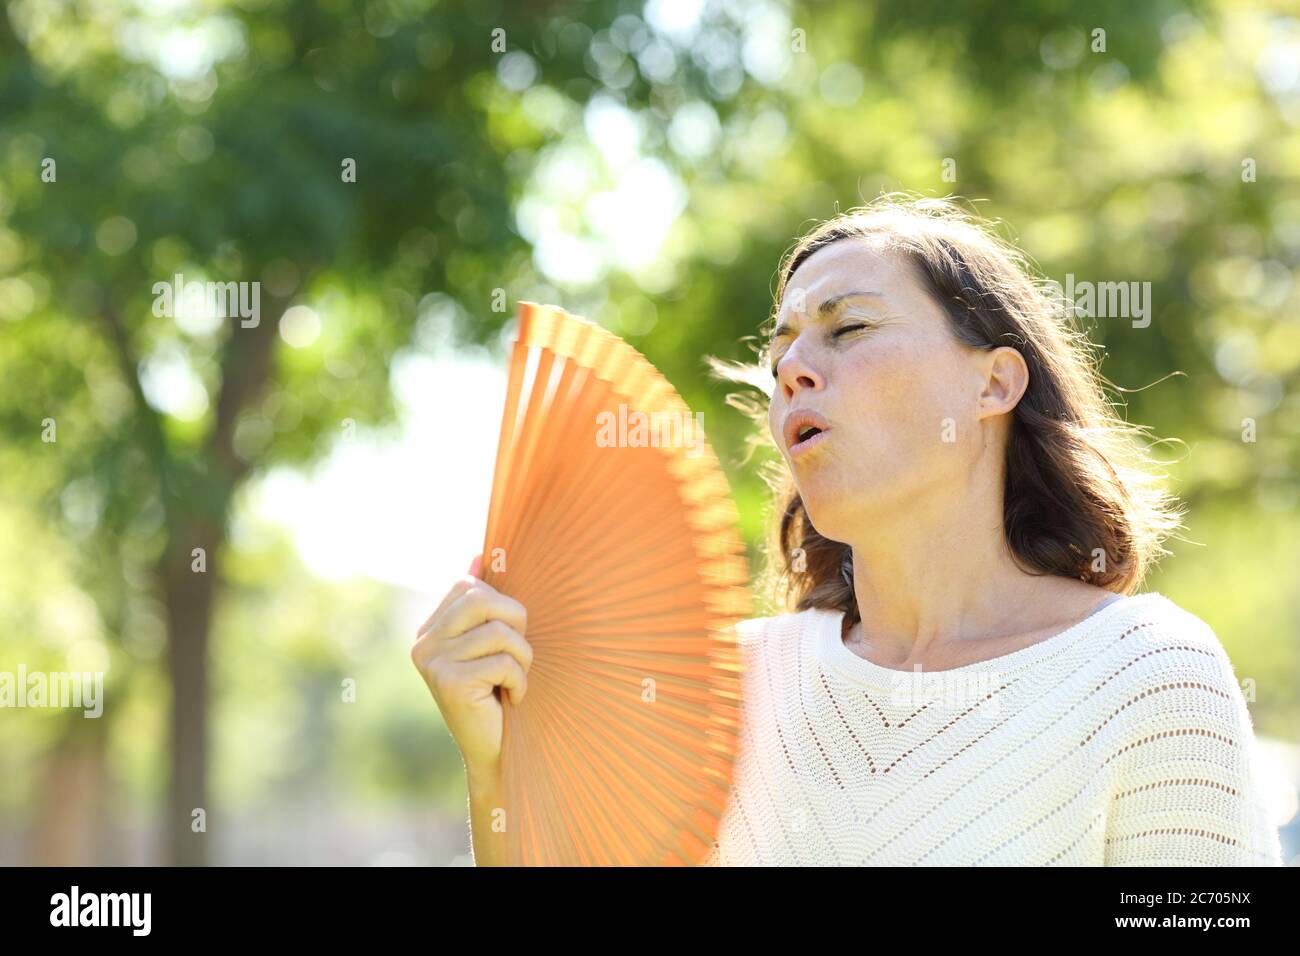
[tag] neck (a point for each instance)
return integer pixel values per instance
(942, 571)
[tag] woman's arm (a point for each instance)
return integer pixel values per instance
(1191, 790)
(486, 820)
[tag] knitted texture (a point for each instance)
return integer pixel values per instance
(1122, 741)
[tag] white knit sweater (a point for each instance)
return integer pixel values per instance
(1121, 741)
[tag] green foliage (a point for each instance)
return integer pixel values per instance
(224, 163)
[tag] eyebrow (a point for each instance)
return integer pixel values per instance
(828, 307)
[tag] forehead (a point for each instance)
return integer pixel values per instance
(847, 265)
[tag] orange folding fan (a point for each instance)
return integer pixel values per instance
(612, 523)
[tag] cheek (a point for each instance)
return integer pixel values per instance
(905, 394)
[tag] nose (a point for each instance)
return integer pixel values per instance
(795, 374)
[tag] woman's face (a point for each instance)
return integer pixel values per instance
(860, 343)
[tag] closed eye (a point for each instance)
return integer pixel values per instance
(854, 327)
(843, 330)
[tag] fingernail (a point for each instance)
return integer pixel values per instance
(476, 564)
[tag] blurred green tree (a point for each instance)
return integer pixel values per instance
(234, 168)
(215, 143)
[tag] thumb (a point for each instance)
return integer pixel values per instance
(476, 565)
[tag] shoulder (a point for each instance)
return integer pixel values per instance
(767, 642)
(1160, 640)
(756, 632)
(1177, 679)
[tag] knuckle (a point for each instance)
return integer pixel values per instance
(478, 638)
(526, 652)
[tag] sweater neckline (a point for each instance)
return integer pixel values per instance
(832, 651)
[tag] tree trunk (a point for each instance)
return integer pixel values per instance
(188, 595)
(72, 820)
(197, 505)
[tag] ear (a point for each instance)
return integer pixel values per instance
(1006, 376)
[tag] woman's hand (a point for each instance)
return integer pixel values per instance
(471, 645)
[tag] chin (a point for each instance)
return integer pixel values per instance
(827, 512)
(835, 508)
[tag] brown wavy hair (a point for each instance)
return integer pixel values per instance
(1078, 477)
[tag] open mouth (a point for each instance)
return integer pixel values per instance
(809, 436)
(804, 428)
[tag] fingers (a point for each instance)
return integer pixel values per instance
(499, 670)
(477, 605)
(494, 637)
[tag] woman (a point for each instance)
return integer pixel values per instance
(966, 675)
